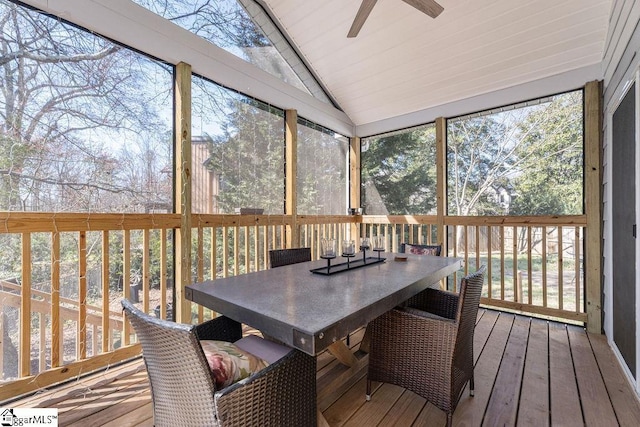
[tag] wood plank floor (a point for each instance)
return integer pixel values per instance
(529, 372)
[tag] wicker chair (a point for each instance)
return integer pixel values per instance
(183, 389)
(435, 250)
(428, 347)
(280, 257)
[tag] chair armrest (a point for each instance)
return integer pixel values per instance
(291, 393)
(220, 328)
(441, 303)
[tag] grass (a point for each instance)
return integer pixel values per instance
(502, 283)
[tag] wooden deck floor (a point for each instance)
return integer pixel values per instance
(529, 372)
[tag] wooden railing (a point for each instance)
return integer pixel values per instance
(77, 267)
(70, 322)
(534, 264)
(60, 312)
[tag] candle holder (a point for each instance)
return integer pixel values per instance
(348, 250)
(364, 245)
(328, 250)
(378, 244)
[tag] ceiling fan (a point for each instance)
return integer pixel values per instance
(430, 7)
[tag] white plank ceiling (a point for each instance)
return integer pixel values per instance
(404, 61)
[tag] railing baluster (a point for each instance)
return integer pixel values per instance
(256, 247)
(225, 251)
(529, 266)
(105, 291)
(2, 334)
(42, 347)
(55, 300)
(544, 265)
(236, 250)
(477, 227)
(455, 254)
(502, 265)
(560, 270)
(81, 339)
(126, 280)
(200, 266)
(514, 254)
(245, 230)
(163, 273)
(466, 249)
(577, 245)
(146, 269)
(489, 263)
(265, 249)
(25, 308)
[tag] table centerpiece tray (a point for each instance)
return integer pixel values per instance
(346, 266)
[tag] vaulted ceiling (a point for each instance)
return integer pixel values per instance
(403, 61)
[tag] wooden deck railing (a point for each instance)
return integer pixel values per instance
(77, 267)
(534, 264)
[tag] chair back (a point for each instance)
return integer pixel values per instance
(280, 257)
(435, 250)
(470, 292)
(182, 386)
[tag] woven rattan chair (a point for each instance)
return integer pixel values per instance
(428, 347)
(280, 257)
(183, 389)
(435, 250)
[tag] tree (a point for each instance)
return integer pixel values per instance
(552, 155)
(248, 156)
(531, 155)
(322, 173)
(479, 158)
(65, 95)
(399, 173)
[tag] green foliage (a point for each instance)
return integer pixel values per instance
(322, 172)
(248, 157)
(399, 173)
(553, 156)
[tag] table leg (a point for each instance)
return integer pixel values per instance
(366, 340)
(341, 352)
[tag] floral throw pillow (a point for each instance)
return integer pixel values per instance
(228, 363)
(420, 250)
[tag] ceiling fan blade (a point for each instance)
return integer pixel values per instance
(430, 7)
(361, 16)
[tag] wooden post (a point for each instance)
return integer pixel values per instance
(441, 190)
(593, 204)
(355, 145)
(291, 161)
(441, 179)
(183, 188)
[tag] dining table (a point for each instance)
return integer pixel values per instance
(310, 307)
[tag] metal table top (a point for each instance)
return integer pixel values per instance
(310, 311)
